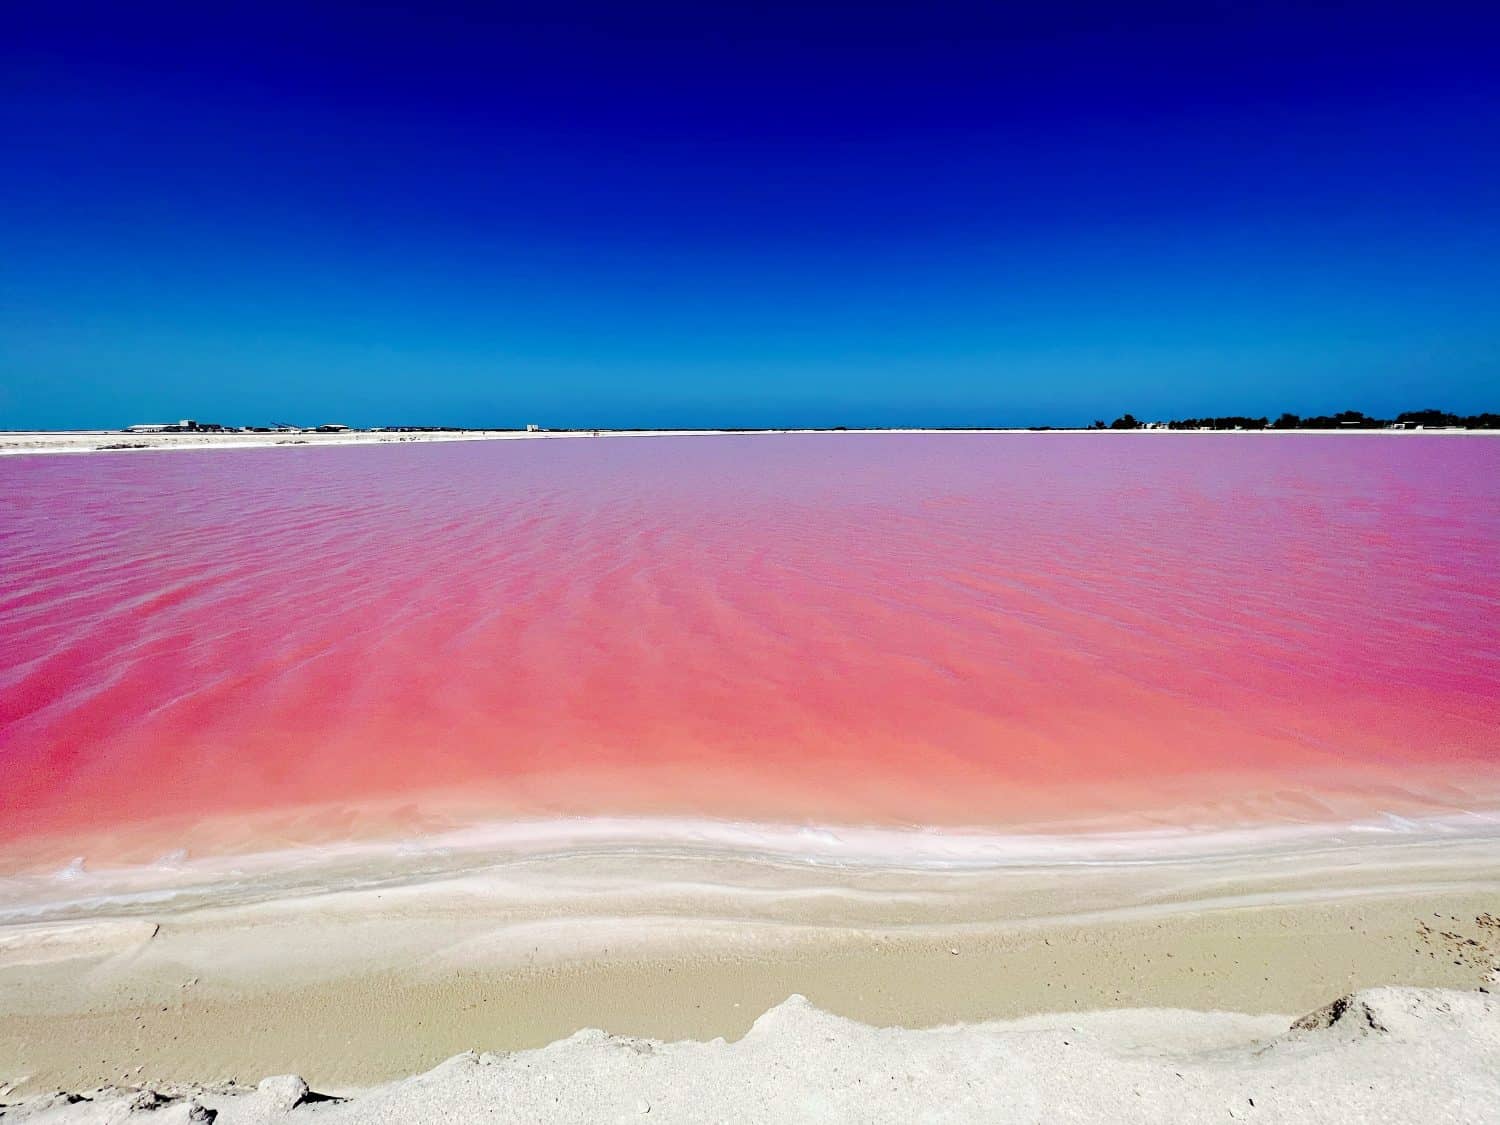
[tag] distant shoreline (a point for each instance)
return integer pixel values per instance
(41, 442)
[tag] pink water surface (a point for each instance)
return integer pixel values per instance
(932, 629)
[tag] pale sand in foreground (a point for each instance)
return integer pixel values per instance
(1384, 1055)
(364, 986)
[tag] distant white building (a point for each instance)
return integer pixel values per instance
(333, 428)
(532, 427)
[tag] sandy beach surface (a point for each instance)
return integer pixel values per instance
(1383, 1055)
(370, 984)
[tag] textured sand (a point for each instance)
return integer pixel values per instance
(363, 986)
(1386, 1055)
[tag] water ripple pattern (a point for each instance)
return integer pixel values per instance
(919, 629)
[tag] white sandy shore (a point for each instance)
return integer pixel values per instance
(356, 966)
(79, 888)
(1385, 1055)
(17, 442)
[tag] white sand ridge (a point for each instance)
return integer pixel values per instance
(1382, 1055)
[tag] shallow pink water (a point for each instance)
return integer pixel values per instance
(934, 629)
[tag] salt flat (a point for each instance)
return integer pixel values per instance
(377, 981)
(1384, 1055)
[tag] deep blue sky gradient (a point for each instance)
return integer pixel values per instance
(709, 214)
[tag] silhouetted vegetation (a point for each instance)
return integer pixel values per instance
(1439, 418)
(1228, 422)
(1343, 420)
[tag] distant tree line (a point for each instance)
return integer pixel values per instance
(1344, 420)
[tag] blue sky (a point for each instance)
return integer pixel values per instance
(711, 214)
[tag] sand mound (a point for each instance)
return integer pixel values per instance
(1384, 1055)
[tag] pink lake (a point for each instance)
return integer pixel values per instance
(230, 649)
